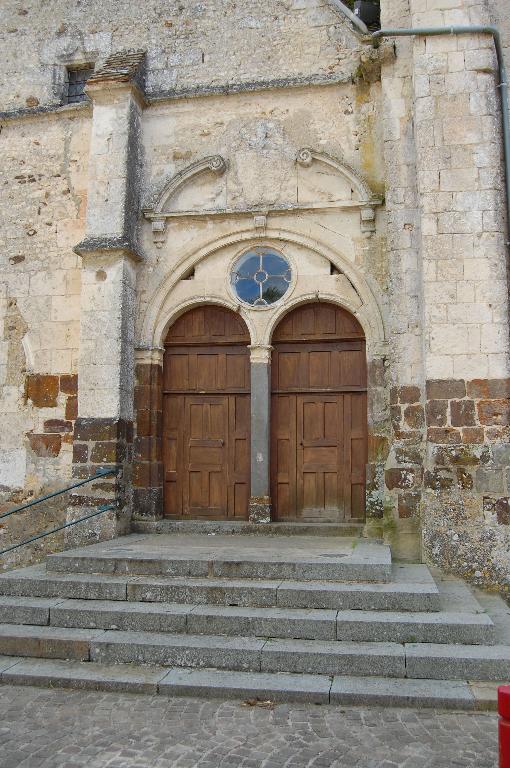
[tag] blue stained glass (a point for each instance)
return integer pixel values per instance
(261, 277)
(274, 289)
(275, 264)
(248, 265)
(247, 290)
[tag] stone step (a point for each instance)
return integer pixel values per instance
(46, 642)
(399, 627)
(294, 558)
(333, 658)
(233, 653)
(415, 660)
(252, 686)
(315, 624)
(245, 528)
(403, 594)
(458, 662)
(196, 620)
(35, 582)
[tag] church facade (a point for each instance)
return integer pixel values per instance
(258, 263)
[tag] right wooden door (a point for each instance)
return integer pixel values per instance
(318, 417)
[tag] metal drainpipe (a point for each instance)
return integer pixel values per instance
(454, 30)
(358, 23)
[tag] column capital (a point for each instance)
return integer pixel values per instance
(260, 353)
(122, 71)
(145, 355)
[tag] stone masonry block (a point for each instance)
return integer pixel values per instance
(71, 408)
(402, 477)
(408, 504)
(445, 389)
(443, 436)
(414, 416)
(489, 480)
(488, 388)
(436, 413)
(474, 435)
(57, 425)
(43, 390)
(69, 384)
(458, 179)
(45, 446)
(462, 413)
(409, 394)
(494, 412)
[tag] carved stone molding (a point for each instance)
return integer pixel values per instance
(366, 199)
(260, 353)
(155, 211)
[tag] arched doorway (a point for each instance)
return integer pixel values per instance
(206, 416)
(318, 416)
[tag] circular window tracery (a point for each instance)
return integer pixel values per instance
(261, 277)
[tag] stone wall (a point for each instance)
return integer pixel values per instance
(293, 120)
(43, 177)
(189, 45)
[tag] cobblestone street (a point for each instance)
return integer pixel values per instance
(65, 729)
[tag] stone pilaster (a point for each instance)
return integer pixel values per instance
(398, 460)
(148, 449)
(465, 295)
(104, 428)
(260, 498)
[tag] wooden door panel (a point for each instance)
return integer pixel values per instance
(239, 456)
(318, 421)
(205, 440)
(206, 384)
(283, 454)
(318, 459)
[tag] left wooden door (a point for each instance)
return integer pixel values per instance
(206, 418)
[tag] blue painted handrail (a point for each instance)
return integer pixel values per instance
(99, 473)
(99, 511)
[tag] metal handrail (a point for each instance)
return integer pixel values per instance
(99, 473)
(55, 530)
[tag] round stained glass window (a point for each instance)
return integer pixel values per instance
(261, 277)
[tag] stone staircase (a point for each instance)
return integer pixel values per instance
(282, 617)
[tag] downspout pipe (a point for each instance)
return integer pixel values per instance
(502, 78)
(360, 25)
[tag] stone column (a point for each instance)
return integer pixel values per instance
(260, 499)
(104, 427)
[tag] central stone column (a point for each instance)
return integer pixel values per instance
(104, 428)
(260, 499)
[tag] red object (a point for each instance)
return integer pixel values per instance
(504, 725)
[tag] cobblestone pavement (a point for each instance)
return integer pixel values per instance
(42, 728)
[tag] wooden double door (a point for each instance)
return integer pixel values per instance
(318, 421)
(318, 416)
(206, 416)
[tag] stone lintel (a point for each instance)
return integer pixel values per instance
(115, 245)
